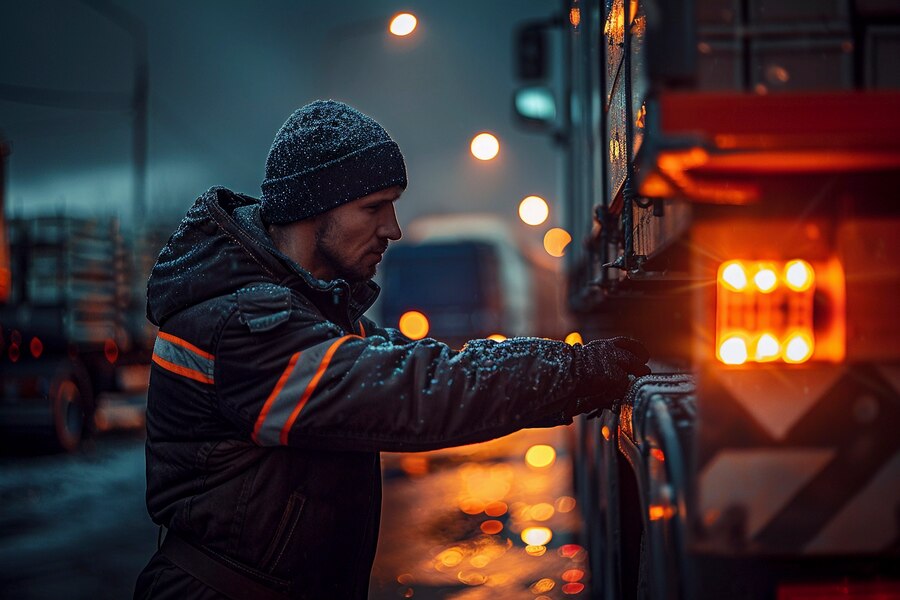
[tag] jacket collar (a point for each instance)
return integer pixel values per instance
(358, 297)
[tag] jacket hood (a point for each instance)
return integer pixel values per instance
(220, 246)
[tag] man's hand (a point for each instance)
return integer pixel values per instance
(603, 367)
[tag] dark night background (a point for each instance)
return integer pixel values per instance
(225, 75)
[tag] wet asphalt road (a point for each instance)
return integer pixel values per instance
(75, 526)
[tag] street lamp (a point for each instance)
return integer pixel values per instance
(485, 146)
(403, 24)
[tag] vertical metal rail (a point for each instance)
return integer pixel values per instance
(628, 191)
(601, 211)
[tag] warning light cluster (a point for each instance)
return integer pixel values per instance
(764, 312)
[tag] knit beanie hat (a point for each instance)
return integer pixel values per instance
(327, 153)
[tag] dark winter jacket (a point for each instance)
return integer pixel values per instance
(271, 397)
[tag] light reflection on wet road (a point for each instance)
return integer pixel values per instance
(463, 524)
(479, 522)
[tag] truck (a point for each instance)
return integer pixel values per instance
(730, 172)
(459, 277)
(73, 335)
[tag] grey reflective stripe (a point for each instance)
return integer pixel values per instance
(183, 358)
(292, 392)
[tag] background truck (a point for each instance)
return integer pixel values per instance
(470, 277)
(731, 168)
(73, 335)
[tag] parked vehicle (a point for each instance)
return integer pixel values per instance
(72, 329)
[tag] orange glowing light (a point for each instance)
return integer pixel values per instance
(765, 280)
(605, 432)
(657, 512)
(492, 527)
(496, 509)
(574, 338)
(733, 351)
(36, 347)
(733, 275)
(541, 511)
(480, 561)
(799, 275)
(555, 241)
(471, 506)
(497, 337)
(767, 348)
(790, 311)
(575, 16)
(535, 550)
(403, 24)
(572, 551)
(540, 456)
(658, 454)
(565, 504)
(537, 536)
(572, 575)
(571, 589)
(798, 348)
(450, 557)
(472, 579)
(542, 586)
(414, 325)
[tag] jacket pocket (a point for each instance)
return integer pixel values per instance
(284, 532)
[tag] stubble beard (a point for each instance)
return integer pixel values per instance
(328, 246)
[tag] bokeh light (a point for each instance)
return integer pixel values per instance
(540, 456)
(497, 337)
(555, 241)
(733, 351)
(799, 275)
(403, 24)
(766, 280)
(533, 210)
(735, 276)
(574, 338)
(537, 536)
(767, 348)
(485, 146)
(414, 325)
(798, 349)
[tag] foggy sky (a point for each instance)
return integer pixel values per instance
(225, 75)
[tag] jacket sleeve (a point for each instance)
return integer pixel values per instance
(304, 382)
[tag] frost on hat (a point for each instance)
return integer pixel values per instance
(327, 153)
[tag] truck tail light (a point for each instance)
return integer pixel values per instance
(788, 311)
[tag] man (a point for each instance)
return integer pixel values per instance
(271, 394)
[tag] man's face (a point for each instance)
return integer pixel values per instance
(351, 239)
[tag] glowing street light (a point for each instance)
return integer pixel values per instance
(403, 24)
(485, 146)
(533, 210)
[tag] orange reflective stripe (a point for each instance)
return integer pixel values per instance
(183, 371)
(189, 346)
(362, 329)
(271, 399)
(311, 387)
